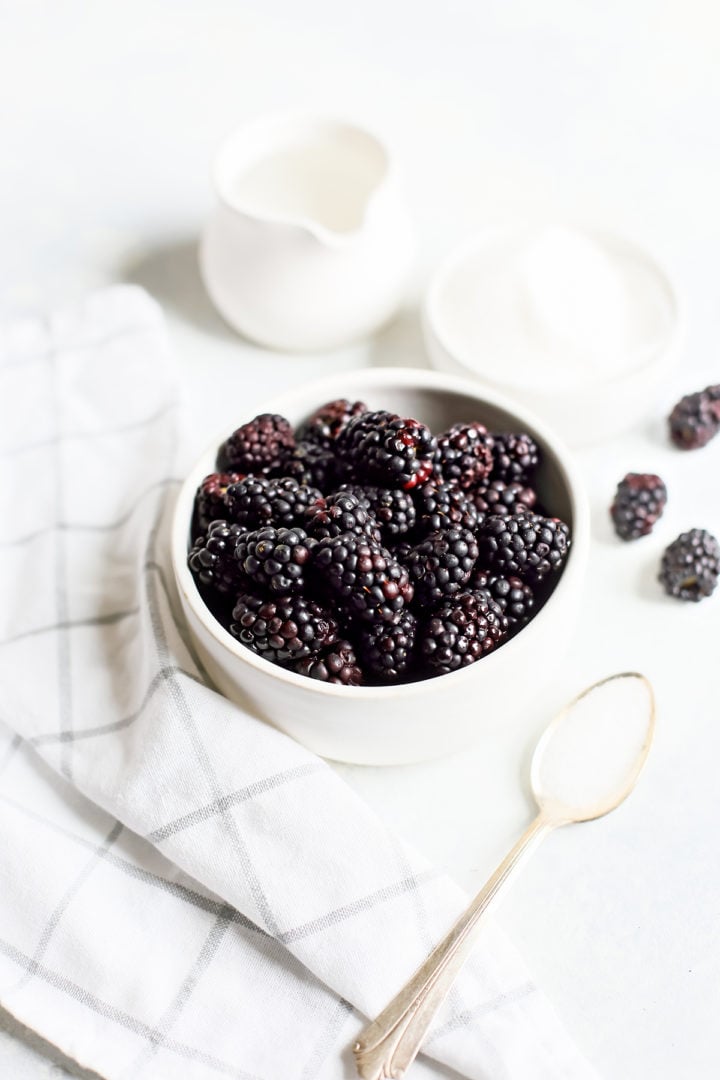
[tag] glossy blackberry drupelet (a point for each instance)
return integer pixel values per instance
(387, 449)
(212, 559)
(257, 501)
(392, 508)
(514, 597)
(527, 546)
(691, 565)
(275, 559)
(639, 501)
(311, 465)
(210, 503)
(464, 455)
(442, 506)
(387, 650)
(363, 576)
(337, 663)
(515, 458)
(341, 513)
(461, 631)
(695, 420)
(440, 566)
(504, 499)
(282, 629)
(258, 446)
(326, 423)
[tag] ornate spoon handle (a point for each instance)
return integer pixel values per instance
(388, 1046)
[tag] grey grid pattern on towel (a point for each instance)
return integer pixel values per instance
(185, 891)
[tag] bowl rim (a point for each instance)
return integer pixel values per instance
(376, 378)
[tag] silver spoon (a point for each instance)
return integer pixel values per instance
(585, 764)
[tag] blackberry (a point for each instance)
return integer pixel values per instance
(388, 449)
(369, 583)
(335, 664)
(440, 565)
(691, 565)
(387, 651)
(460, 632)
(282, 629)
(527, 546)
(275, 559)
(441, 506)
(326, 423)
(504, 499)
(257, 501)
(212, 558)
(258, 446)
(515, 599)
(401, 550)
(515, 457)
(464, 454)
(639, 501)
(695, 420)
(340, 513)
(210, 504)
(310, 464)
(392, 508)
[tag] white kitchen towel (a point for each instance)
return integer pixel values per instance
(186, 892)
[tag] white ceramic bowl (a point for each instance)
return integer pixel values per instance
(582, 412)
(411, 722)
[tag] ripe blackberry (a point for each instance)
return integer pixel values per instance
(258, 446)
(282, 629)
(369, 583)
(639, 501)
(387, 651)
(504, 499)
(440, 566)
(392, 508)
(210, 504)
(335, 664)
(691, 565)
(401, 550)
(311, 465)
(326, 423)
(515, 457)
(212, 558)
(515, 599)
(464, 454)
(340, 513)
(527, 546)
(388, 449)
(275, 559)
(461, 631)
(257, 501)
(441, 506)
(695, 420)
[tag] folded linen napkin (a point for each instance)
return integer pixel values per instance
(186, 891)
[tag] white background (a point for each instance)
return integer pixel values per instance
(109, 114)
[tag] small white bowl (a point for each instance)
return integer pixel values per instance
(582, 412)
(382, 725)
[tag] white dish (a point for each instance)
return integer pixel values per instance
(414, 721)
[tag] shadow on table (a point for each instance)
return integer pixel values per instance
(400, 342)
(57, 1064)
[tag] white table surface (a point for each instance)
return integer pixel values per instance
(108, 117)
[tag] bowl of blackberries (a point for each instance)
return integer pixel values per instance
(385, 564)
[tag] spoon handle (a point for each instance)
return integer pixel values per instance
(388, 1046)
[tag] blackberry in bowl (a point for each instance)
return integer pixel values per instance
(393, 642)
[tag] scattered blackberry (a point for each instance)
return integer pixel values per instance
(440, 566)
(212, 558)
(515, 458)
(691, 565)
(464, 454)
(440, 506)
(257, 501)
(504, 499)
(329, 420)
(392, 508)
(695, 420)
(515, 599)
(310, 464)
(335, 664)
(370, 584)
(282, 629)
(460, 632)
(340, 513)
(210, 504)
(527, 546)
(388, 449)
(275, 559)
(257, 447)
(387, 651)
(639, 501)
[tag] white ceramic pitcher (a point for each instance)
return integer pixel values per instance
(310, 243)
